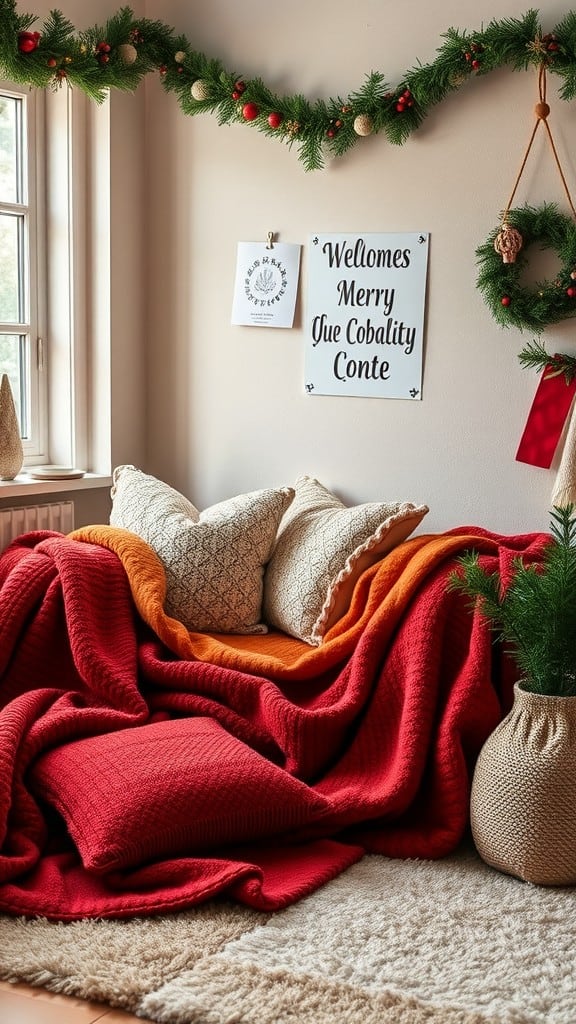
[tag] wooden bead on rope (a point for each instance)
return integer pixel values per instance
(542, 110)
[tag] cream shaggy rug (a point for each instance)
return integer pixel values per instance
(388, 942)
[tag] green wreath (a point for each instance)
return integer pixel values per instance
(513, 303)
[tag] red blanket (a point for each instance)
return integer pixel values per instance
(144, 769)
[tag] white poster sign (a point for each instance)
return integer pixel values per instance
(365, 318)
(266, 284)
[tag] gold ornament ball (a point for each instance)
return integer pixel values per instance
(200, 89)
(363, 125)
(180, 57)
(128, 53)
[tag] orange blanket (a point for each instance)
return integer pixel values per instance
(381, 598)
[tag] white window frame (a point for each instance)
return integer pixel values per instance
(78, 162)
(94, 261)
(33, 210)
(69, 172)
(66, 278)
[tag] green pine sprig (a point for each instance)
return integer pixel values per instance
(534, 615)
(534, 356)
(565, 59)
(510, 41)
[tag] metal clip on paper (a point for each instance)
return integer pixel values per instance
(270, 241)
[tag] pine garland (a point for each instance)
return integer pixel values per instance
(119, 53)
(515, 304)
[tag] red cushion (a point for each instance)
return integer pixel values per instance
(167, 789)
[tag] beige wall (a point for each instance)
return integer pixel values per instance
(227, 409)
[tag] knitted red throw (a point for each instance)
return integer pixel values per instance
(144, 769)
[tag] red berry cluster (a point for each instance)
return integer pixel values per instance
(239, 88)
(404, 101)
(334, 127)
(103, 52)
(550, 43)
(28, 41)
(473, 56)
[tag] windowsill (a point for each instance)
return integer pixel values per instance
(23, 485)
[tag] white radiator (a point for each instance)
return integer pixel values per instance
(57, 516)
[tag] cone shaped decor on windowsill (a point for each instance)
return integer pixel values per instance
(11, 451)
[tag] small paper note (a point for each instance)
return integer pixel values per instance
(266, 284)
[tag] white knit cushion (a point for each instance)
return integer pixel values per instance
(214, 560)
(322, 549)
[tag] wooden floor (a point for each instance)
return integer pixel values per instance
(20, 1004)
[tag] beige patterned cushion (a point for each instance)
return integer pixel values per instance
(214, 560)
(323, 547)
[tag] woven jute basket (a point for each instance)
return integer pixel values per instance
(523, 800)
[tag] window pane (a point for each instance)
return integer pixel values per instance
(10, 191)
(10, 266)
(18, 281)
(13, 362)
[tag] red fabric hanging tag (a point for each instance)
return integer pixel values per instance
(546, 418)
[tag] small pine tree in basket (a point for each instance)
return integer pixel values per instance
(535, 616)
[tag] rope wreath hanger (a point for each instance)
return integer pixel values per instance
(503, 259)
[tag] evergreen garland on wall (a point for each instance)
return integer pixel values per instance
(119, 53)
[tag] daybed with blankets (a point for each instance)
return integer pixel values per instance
(242, 701)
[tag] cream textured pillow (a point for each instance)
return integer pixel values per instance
(214, 560)
(322, 549)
